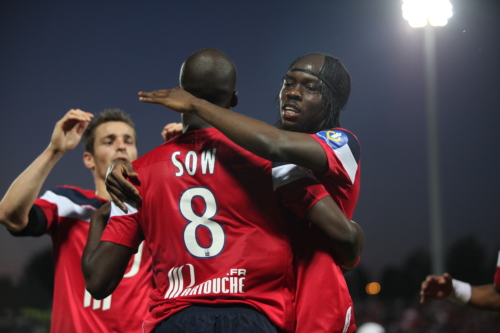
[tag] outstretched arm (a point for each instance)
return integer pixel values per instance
(345, 237)
(485, 297)
(103, 263)
(255, 136)
(17, 202)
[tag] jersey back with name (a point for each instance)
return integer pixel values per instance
(212, 223)
(68, 211)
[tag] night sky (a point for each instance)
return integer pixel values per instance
(60, 55)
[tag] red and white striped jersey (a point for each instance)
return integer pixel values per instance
(68, 211)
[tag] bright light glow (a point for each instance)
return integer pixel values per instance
(419, 12)
(372, 288)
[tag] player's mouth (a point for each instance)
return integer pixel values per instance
(290, 111)
(123, 158)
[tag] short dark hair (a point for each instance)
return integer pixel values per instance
(209, 74)
(337, 76)
(104, 117)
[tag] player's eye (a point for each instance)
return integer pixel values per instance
(311, 88)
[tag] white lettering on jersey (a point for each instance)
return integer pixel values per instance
(205, 220)
(177, 164)
(225, 285)
(191, 166)
(191, 162)
(208, 159)
(176, 280)
(87, 301)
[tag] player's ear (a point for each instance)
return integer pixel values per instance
(88, 160)
(234, 99)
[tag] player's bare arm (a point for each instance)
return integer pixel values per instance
(485, 297)
(103, 263)
(17, 202)
(346, 238)
(253, 135)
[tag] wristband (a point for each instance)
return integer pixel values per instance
(461, 292)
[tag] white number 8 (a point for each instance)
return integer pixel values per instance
(195, 221)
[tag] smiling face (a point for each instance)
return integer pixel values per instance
(113, 140)
(301, 100)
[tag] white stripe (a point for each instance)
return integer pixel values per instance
(97, 304)
(170, 285)
(86, 299)
(191, 273)
(181, 281)
(67, 208)
(498, 262)
(348, 161)
(137, 262)
(176, 281)
(288, 173)
(116, 211)
(347, 322)
(106, 303)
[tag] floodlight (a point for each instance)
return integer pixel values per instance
(420, 12)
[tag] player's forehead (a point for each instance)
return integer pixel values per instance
(114, 128)
(312, 63)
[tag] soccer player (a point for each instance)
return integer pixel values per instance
(211, 221)
(64, 213)
(315, 90)
(485, 297)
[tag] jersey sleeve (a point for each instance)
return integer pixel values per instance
(296, 188)
(343, 153)
(123, 228)
(49, 209)
(497, 271)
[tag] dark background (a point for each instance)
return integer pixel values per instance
(59, 55)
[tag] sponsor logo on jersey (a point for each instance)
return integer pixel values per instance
(232, 283)
(334, 138)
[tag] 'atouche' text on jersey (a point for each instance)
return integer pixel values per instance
(67, 211)
(212, 222)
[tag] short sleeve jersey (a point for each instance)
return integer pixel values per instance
(323, 302)
(68, 211)
(497, 271)
(213, 226)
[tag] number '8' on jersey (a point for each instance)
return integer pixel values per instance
(186, 207)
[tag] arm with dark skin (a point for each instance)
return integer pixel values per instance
(346, 238)
(253, 135)
(103, 263)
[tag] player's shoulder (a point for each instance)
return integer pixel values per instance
(76, 195)
(339, 138)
